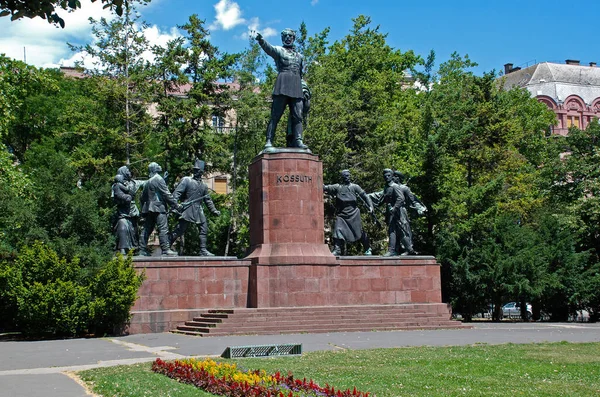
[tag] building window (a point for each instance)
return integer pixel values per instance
(573, 121)
(221, 185)
(218, 123)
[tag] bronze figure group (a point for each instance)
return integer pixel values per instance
(156, 200)
(397, 199)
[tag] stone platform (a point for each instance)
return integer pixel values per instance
(180, 288)
(286, 209)
(290, 268)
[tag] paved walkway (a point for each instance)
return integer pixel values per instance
(40, 368)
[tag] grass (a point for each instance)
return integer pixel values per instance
(554, 369)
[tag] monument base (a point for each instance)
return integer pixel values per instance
(177, 289)
(286, 209)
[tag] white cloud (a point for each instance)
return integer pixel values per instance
(153, 34)
(269, 32)
(44, 43)
(228, 15)
(313, 2)
(254, 25)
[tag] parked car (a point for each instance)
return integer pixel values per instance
(513, 310)
(581, 316)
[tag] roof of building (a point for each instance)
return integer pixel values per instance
(554, 72)
(557, 81)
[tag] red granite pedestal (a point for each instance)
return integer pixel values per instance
(286, 210)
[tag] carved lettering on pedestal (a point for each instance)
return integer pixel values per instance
(294, 178)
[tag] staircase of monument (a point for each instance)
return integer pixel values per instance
(291, 320)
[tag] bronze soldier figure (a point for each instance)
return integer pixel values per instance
(348, 225)
(288, 87)
(194, 192)
(155, 197)
(398, 198)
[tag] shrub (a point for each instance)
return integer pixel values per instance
(59, 308)
(114, 291)
(41, 293)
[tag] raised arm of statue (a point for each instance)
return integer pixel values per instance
(412, 201)
(330, 189)
(267, 47)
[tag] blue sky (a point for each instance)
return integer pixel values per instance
(491, 33)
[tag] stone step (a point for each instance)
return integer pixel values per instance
(375, 327)
(317, 318)
(321, 319)
(307, 312)
(309, 325)
(208, 319)
(315, 309)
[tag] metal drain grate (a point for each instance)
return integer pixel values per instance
(262, 351)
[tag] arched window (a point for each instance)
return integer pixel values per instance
(575, 106)
(559, 128)
(596, 107)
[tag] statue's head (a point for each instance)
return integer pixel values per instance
(345, 174)
(154, 168)
(124, 172)
(398, 177)
(388, 175)
(288, 36)
(198, 169)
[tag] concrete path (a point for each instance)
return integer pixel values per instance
(40, 368)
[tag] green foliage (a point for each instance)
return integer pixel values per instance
(56, 308)
(359, 113)
(17, 81)
(118, 54)
(73, 220)
(113, 292)
(571, 182)
(45, 294)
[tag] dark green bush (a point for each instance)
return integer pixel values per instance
(41, 294)
(114, 291)
(58, 308)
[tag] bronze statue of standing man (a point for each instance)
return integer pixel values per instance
(288, 87)
(195, 192)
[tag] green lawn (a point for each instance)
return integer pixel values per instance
(556, 369)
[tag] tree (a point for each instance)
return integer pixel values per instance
(119, 58)
(571, 182)
(18, 81)
(361, 113)
(191, 133)
(480, 174)
(46, 9)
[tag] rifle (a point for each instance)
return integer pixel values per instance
(185, 205)
(372, 213)
(377, 223)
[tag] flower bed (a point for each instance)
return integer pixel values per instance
(227, 380)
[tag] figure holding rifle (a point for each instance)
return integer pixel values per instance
(194, 192)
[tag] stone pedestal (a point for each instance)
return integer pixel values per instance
(286, 210)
